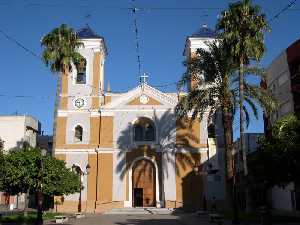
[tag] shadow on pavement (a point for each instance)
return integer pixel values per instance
(150, 222)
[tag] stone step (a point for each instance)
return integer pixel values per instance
(143, 211)
(160, 211)
(131, 211)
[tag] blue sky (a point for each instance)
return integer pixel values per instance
(162, 39)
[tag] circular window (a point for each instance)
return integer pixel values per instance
(144, 99)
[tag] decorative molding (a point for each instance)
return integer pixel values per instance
(111, 150)
(138, 91)
(90, 150)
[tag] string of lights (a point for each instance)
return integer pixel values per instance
(10, 38)
(134, 10)
(136, 38)
(287, 7)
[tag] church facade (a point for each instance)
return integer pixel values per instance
(129, 149)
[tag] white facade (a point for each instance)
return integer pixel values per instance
(15, 130)
(279, 83)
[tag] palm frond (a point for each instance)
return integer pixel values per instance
(262, 96)
(252, 106)
(247, 117)
(60, 49)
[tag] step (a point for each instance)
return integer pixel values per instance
(143, 211)
(132, 211)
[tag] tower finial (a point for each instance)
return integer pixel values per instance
(108, 87)
(87, 18)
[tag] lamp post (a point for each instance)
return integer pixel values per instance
(40, 197)
(80, 173)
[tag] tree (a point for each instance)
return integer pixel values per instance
(60, 53)
(1, 145)
(277, 162)
(216, 91)
(219, 91)
(27, 170)
(243, 27)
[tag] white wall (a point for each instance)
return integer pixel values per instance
(281, 197)
(16, 129)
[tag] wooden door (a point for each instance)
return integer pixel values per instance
(144, 178)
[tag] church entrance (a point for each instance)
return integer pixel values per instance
(143, 184)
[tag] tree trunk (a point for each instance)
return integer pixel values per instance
(228, 139)
(242, 116)
(27, 194)
(242, 130)
(39, 219)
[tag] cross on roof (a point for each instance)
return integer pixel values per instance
(143, 78)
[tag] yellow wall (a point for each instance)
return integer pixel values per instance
(91, 183)
(60, 157)
(189, 186)
(95, 102)
(61, 131)
(94, 132)
(96, 73)
(64, 84)
(188, 134)
(64, 103)
(107, 99)
(105, 177)
(106, 135)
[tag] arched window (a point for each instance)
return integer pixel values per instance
(78, 133)
(144, 130)
(81, 72)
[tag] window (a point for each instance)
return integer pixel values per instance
(144, 130)
(81, 73)
(78, 133)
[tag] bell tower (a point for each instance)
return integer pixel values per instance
(83, 88)
(82, 92)
(196, 41)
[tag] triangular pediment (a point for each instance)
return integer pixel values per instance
(143, 95)
(144, 100)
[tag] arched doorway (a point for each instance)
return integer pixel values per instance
(143, 184)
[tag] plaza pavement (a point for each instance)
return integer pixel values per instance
(147, 219)
(142, 217)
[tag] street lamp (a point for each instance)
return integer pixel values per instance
(40, 196)
(80, 173)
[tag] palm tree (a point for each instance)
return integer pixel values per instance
(243, 27)
(59, 53)
(218, 90)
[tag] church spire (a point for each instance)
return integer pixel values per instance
(108, 87)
